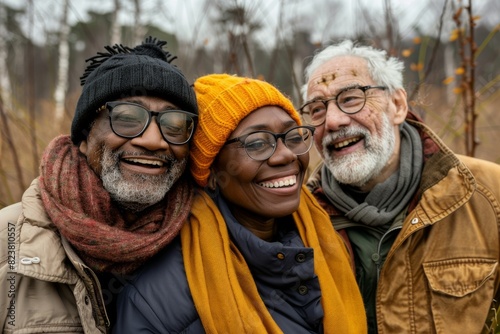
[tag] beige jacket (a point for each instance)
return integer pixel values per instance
(46, 287)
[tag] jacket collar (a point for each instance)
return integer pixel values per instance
(444, 177)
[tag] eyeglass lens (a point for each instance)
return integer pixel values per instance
(130, 120)
(349, 101)
(261, 145)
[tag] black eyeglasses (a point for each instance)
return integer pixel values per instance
(350, 100)
(260, 145)
(130, 120)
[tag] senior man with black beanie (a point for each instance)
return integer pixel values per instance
(109, 197)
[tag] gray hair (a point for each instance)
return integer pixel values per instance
(385, 71)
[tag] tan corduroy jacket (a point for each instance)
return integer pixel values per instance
(441, 274)
(46, 288)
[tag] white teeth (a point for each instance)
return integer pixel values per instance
(346, 142)
(146, 162)
(290, 181)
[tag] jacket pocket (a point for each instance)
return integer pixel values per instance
(461, 291)
(459, 277)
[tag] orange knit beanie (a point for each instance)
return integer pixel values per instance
(223, 101)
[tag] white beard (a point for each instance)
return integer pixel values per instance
(138, 191)
(358, 168)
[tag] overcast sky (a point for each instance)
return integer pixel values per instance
(188, 19)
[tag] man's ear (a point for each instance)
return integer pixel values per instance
(83, 147)
(399, 98)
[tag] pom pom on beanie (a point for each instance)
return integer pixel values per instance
(223, 101)
(123, 72)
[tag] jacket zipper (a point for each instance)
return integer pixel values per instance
(378, 263)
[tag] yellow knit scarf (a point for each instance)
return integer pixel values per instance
(224, 292)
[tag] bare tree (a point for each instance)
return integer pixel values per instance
(139, 28)
(63, 66)
(391, 27)
(239, 24)
(274, 55)
(30, 87)
(116, 35)
(5, 87)
(467, 52)
(10, 143)
(433, 57)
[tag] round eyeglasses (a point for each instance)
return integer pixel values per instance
(260, 145)
(350, 101)
(130, 120)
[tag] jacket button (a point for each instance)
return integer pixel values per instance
(301, 257)
(280, 256)
(303, 290)
(30, 260)
(375, 257)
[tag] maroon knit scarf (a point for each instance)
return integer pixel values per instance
(82, 210)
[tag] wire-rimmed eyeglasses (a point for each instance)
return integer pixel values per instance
(349, 100)
(261, 145)
(130, 120)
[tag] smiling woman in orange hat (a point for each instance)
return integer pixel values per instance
(259, 254)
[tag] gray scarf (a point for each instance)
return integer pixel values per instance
(387, 199)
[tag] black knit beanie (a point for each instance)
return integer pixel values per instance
(123, 72)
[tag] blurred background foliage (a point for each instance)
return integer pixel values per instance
(450, 47)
